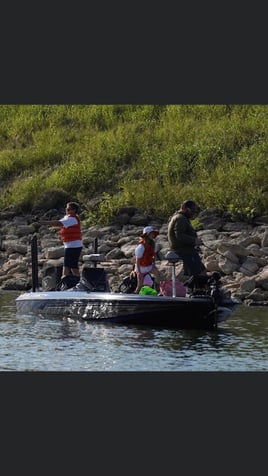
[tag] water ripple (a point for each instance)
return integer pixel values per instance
(38, 344)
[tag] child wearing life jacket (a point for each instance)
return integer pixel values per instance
(145, 257)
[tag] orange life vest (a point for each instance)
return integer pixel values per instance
(148, 255)
(71, 233)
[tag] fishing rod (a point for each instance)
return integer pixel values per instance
(226, 257)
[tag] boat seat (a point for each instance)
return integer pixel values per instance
(94, 258)
(96, 279)
(173, 257)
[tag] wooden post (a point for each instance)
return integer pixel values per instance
(95, 250)
(34, 256)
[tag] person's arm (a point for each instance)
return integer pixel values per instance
(157, 252)
(138, 265)
(139, 251)
(50, 222)
(185, 232)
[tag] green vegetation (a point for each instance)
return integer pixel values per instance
(149, 156)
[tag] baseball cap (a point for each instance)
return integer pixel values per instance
(149, 229)
(190, 204)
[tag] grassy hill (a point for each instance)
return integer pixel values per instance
(149, 156)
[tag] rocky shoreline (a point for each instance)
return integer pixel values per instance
(238, 250)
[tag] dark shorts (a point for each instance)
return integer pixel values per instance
(192, 264)
(71, 257)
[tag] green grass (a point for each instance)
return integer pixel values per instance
(149, 156)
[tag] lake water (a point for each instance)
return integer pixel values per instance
(32, 343)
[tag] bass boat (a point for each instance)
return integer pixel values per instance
(90, 299)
